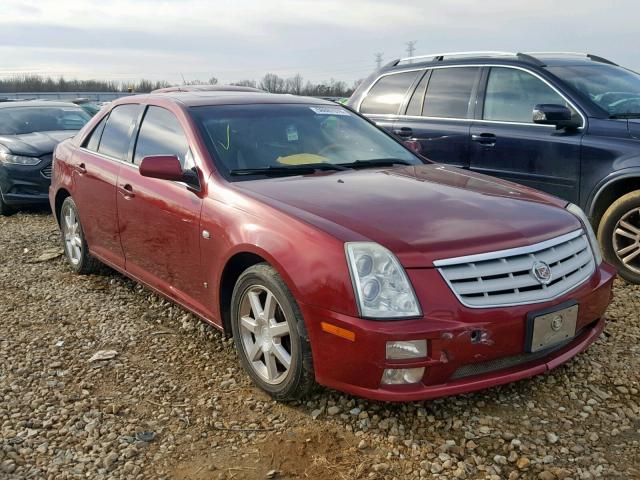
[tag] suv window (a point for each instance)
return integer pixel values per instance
(161, 134)
(388, 93)
(116, 136)
(449, 92)
(511, 95)
(415, 104)
(93, 140)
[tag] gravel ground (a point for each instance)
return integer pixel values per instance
(173, 402)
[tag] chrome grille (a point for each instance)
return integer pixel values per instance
(506, 277)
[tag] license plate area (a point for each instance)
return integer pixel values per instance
(548, 328)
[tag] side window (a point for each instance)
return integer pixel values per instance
(161, 134)
(449, 92)
(415, 104)
(116, 136)
(511, 95)
(93, 140)
(388, 93)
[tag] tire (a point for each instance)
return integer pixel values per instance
(74, 244)
(619, 236)
(266, 344)
(5, 210)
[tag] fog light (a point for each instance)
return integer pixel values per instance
(402, 349)
(400, 376)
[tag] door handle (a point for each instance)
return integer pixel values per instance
(81, 169)
(404, 132)
(127, 191)
(486, 139)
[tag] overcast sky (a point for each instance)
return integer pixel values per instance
(321, 39)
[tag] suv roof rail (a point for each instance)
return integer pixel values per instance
(488, 53)
(590, 56)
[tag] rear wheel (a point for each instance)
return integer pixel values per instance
(74, 243)
(269, 334)
(619, 236)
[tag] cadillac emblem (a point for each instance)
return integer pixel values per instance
(542, 272)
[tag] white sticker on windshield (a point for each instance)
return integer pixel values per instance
(330, 111)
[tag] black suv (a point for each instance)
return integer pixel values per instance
(565, 123)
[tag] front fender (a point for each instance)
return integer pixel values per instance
(605, 183)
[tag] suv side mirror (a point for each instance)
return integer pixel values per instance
(167, 167)
(550, 114)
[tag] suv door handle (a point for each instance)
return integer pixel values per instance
(127, 191)
(486, 139)
(404, 132)
(81, 169)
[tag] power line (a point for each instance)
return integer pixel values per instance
(411, 47)
(378, 57)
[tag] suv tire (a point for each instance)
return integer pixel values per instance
(619, 236)
(276, 332)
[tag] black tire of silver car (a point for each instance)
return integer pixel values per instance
(5, 209)
(270, 335)
(619, 236)
(75, 246)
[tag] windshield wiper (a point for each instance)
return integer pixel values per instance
(625, 115)
(293, 170)
(376, 162)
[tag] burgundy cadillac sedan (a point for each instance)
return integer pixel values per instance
(328, 249)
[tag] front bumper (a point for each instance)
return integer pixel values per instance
(468, 349)
(26, 184)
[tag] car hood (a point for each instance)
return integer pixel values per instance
(421, 213)
(35, 144)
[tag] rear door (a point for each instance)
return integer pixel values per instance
(439, 114)
(159, 219)
(387, 96)
(96, 168)
(506, 143)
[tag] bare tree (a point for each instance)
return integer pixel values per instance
(294, 84)
(272, 83)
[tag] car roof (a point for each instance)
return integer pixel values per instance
(207, 88)
(221, 97)
(37, 103)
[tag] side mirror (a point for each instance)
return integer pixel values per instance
(167, 167)
(550, 114)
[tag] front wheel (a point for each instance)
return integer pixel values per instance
(74, 243)
(269, 334)
(619, 236)
(5, 209)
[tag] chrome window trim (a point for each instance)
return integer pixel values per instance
(509, 252)
(572, 104)
(108, 157)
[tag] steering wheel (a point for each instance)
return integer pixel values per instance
(332, 147)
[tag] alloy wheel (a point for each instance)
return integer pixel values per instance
(265, 334)
(626, 240)
(72, 235)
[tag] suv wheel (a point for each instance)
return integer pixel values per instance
(619, 236)
(73, 241)
(269, 334)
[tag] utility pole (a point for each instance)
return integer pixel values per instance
(378, 59)
(411, 47)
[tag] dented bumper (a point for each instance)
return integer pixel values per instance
(468, 349)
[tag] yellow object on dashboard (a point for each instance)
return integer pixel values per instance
(302, 159)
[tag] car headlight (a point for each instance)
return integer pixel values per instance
(577, 211)
(381, 285)
(7, 157)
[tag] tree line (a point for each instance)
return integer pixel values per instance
(270, 82)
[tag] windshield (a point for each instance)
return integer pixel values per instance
(614, 89)
(21, 120)
(278, 136)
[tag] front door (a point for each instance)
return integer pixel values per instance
(160, 220)
(506, 143)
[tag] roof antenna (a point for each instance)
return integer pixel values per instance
(184, 82)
